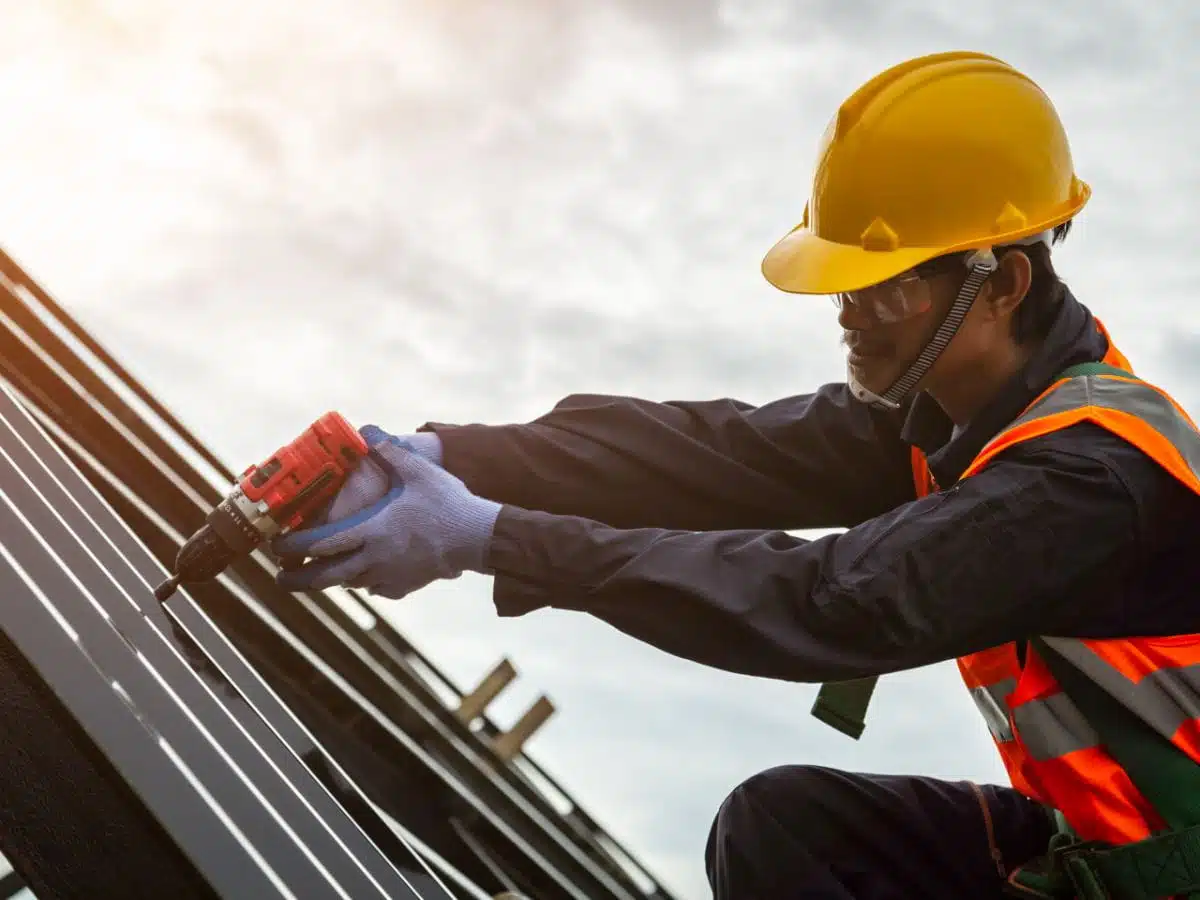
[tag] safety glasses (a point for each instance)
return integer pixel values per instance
(902, 297)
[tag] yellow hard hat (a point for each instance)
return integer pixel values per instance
(942, 153)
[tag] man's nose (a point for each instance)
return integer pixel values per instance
(851, 318)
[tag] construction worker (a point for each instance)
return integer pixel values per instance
(1013, 498)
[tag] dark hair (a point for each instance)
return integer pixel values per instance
(1036, 314)
(1039, 308)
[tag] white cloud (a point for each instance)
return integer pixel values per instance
(416, 210)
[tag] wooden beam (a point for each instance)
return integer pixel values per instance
(473, 704)
(509, 744)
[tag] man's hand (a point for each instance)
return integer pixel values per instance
(424, 525)
(368, 483)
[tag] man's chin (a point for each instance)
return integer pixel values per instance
(875, 375)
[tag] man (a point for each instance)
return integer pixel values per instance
(1030, 519)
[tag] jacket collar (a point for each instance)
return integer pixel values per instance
(1073, 338)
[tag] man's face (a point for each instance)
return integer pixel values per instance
(885, 328)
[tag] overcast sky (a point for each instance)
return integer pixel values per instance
(464, 211)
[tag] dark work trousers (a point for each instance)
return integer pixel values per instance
(806, 832)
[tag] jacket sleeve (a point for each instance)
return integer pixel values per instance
(1008, 552)
(812, 461)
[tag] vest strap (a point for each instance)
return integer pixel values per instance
(1160, 866)
(1094, 368)
(1165, 865)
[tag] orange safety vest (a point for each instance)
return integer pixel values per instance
(1051, 753)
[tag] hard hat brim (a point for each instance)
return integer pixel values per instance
(802, 263)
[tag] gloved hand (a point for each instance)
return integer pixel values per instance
(427, 525)
(368, 483)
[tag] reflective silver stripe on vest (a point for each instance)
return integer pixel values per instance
(1049, 727)
(1133, 398)
(1053, 727)
(991, 703)
(1164, 700)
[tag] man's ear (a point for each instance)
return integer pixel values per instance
(1008, 285)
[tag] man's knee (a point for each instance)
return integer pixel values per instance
(764, 801)
(793, 787)
(767, 830)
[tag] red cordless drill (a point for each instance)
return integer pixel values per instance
(279, 493)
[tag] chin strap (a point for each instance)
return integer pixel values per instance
(981, 264)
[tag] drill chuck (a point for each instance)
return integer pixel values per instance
(203, 556)
(225, 535)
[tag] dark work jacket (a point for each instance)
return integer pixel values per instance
(668, 521)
